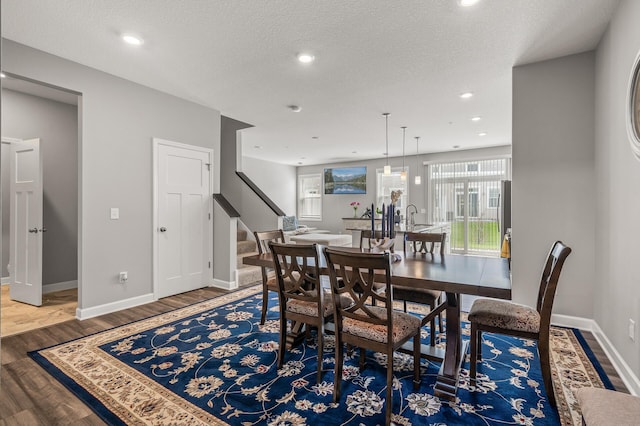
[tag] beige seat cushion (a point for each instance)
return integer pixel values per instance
(607, 407)
(310, 309)
(403, 325)
(505, 315)
(415, 295)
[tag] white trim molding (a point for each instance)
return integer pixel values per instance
(627, 375)
(65, 285)
(107, 308)
(225, 285)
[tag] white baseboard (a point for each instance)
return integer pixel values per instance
(108, 308)
(5, 280)
(630, 380)
(65, 285)
(225, 285)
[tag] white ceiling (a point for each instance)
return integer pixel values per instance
(411, 58)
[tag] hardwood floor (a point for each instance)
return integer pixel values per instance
(30, 396)
(19, 317)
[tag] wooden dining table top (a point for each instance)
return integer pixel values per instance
(453, 273)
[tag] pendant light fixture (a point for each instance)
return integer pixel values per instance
(403, 174)
(387, 167)
(418, 172)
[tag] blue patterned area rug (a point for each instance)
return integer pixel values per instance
(212, 363)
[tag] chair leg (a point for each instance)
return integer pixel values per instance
(389, 401)
(416, 361)
(337, 371)
(405, 305)
(432, 326)
(283, 339)
(545, 366)
(363, 359)
(320, 352)
(474, 353)
(265, 303)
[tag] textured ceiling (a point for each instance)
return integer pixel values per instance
(409, 58)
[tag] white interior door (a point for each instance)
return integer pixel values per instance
(25, 257)
(183, 226)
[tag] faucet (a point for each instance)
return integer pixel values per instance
(410, 221)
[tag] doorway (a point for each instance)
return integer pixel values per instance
(32, 110)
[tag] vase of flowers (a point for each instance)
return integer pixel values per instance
(355, 205)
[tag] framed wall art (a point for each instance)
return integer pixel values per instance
(345, 180)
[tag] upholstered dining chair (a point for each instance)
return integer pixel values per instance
(504, 317)
(300, 293)
(366, 235)
(418, 241)
(269, 282)
(360, 324)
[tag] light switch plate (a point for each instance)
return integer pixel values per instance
(115, 213)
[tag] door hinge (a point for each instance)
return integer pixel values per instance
(209, 216)
(208, 166)
(209, 265)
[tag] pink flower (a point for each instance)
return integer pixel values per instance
(354, 204)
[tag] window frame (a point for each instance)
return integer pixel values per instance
(300, 198)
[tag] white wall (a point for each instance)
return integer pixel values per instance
(118, 120)
(553, 189)
(278, 181)
(617, 282)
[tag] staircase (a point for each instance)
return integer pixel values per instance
(247, 274)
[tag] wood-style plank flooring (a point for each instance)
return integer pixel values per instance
(19, 317)
(30, 396)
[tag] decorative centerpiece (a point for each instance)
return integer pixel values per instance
(355, 205)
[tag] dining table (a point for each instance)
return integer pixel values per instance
(454, 275)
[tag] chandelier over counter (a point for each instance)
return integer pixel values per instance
(418, 180)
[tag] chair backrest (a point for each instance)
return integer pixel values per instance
(549, 282)
(353, 274)
(366, 234)
(297, 272)
(263, 238)
(420, 240)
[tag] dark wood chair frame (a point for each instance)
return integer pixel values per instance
(352, 280)
(431, 298)
(298, 276)
(548, 284)
(263, 238)
(366, 234)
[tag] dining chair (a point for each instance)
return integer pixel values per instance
(504, 317)
(418, 241)
(300, 293)
(360, 324)
(366, 235)
(269, 282)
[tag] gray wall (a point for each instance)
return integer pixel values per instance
(56, 124)
(254, 213)
(553, 189)
(278, 181)
(335, 207)
(118, 120)
(617, 282)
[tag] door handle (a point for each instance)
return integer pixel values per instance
(163, 229)
(33, 230)
(43, 229)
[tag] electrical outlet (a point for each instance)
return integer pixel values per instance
(632, 329)
(124, 276)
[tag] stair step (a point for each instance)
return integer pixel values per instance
(249, 274)
(246, 246)
(242, 234)
(240, 258)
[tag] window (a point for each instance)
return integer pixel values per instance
(310, 197)
(494, 198)
(393, 182)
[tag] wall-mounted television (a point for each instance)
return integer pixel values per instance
(345, 180)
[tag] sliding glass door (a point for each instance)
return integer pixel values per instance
(466, 196)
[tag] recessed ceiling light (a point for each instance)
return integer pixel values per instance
(456, 146)
(354, 152)
(482, 134)
(257, 147)
(477, 118)
(3, 75)
(314, 137)
(467, 3)
(466, 95)
(306, 58)
(131, 39)
(299, 162)
(294, 108)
